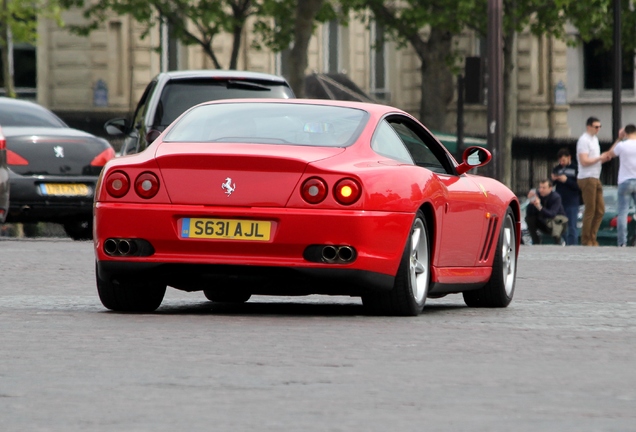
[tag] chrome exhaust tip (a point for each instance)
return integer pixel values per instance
(329, 253)
(126, 247)
(110, 247)
(346, 253)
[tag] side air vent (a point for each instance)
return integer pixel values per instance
(493, 223)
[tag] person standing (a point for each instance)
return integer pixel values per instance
(564, 178)
(625, 149)
(590, 161)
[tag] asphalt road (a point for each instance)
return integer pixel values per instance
(559, 358)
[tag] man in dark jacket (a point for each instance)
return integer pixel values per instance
(545, 213)
(564, 178)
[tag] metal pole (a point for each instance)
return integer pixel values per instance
(495, 85)
(164, 44)
(460, 115)
(618, 72)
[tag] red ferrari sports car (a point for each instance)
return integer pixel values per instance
(297, 197)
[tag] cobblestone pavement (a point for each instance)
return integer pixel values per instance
(560, 358)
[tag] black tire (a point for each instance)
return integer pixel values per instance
(410, 289)
(127, 296)
(79, 229)
(227, 296)
(499, 290)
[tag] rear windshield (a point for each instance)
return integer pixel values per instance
(271, 123)
(178, 96)
(28, 116)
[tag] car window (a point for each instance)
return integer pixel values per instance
(270, 123)
(179, 95)
(423, 148)
(28, 116)
(387, 142)
(140, 112)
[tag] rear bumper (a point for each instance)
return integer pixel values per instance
(257, 279)
(377, 237)
(28, 204)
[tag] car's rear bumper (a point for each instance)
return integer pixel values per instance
(257, 279)
(28, 204)
(378, 239)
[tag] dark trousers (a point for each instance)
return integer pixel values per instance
(536, 224)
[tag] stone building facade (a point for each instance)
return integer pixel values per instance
(106, 73)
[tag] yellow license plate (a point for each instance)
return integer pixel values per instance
(63, 189)
(229, 229)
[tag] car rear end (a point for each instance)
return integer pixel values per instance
(53, 172)
(200, 210)
(4, 179)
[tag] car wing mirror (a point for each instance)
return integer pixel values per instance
(473, 157)
(116, 126)
(152, 135)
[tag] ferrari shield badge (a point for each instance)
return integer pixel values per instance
(228, 186)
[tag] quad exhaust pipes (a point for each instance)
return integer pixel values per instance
(338, 254)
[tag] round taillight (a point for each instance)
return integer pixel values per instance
(147, 185)
(314, 190)
(117, 184)
(347, 191)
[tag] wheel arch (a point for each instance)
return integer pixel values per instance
(429, 216)
(516, 213)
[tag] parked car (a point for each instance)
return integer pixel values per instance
(450, 142)
(4, 179)
(169, 94)
(296, 197)
(607, 233)
(53, 169)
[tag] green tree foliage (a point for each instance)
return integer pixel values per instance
(18, 22)
(428, 26)
(191, 22)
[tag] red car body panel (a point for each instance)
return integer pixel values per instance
(465, 210)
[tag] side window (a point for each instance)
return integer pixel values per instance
(427, 154)
(387, 143)
(137, 121)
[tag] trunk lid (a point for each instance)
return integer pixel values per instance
(259, 175)
(54, 151)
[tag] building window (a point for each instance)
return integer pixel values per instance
(379, 81)
(332, 44)
(116, 58)
(24, 70)
(283, 63)
(598, 67)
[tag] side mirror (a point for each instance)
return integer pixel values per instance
(473, 157)
(116, 126)
(152, 135)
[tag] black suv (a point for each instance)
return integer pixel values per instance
(170, 94)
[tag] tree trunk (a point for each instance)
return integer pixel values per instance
(510, 104)
(437, 79)
(5, 38)
(236, 45)
(306, 11)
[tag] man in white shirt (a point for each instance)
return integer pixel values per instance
(590, 161)
(625, 149)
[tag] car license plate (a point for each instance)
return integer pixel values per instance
(64, 189)
(228, 229)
